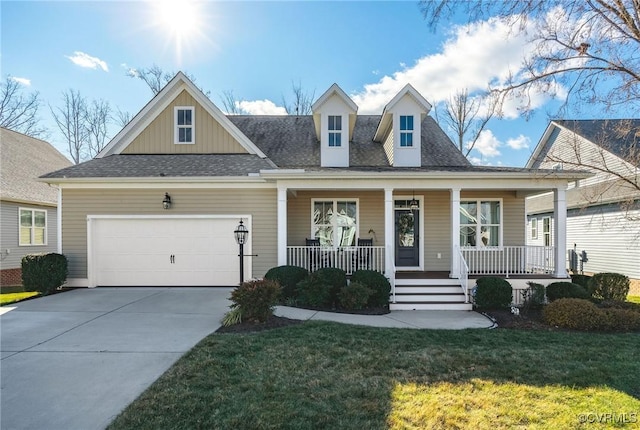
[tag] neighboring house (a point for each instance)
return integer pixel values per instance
(333, 176)
(28, 218)
(603, 215)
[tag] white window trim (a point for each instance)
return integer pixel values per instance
(336, 131)
(335, 201)
(547, 233)
(478, 232)
(411, 132)
(46, 226)
(534, 228)
(176, 127)
(421, 244)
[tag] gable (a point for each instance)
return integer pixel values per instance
(210, 136)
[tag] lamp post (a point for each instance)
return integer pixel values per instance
(241, 234)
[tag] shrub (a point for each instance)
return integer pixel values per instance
(354, 296)
(377, 283)
(335, 278)
(313, 293)
(234, 316)
(609, 286)
(615, 304)
(44, 273)
(572, 313)
(256, 299)
(565, 290)
(288, 277)
(534, 296)
(582, 280)
(580, 314)
(493, 293)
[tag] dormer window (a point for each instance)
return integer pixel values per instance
(184, 122)
(406, 130)
(335, 130)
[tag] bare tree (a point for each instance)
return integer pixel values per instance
(19, 111)
(301, 103)
(230, 103)
(121, 118)
(584, 47)
(70, 119)
(463, 117)
(97, 117)
(156, 78)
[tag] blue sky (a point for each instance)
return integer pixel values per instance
(257, 49)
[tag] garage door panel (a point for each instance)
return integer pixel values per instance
(137, 252)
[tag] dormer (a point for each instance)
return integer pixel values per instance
(334, 117)
(400, 128)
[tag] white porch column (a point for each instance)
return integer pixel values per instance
(282, 226)
(455, 232)
(560, 232)
(389, 228)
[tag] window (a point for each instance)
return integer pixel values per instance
(534, 228)
(480, 223)
(334, 222)
(33, 227)
(184, 119)
(335, 130)
(546, 231)
(406, 130)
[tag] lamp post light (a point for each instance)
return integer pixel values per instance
(241, 234)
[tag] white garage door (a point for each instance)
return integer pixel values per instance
(165, 252)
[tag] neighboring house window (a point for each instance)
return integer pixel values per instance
(534, 228)
(546, 231)
(184, 123)
(334, 222)
(335, 130)
(406, 130)
(480, 223)
(33, 227)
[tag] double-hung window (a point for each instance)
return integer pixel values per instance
(546, 231)
(480, 223)
(184, 124)
(534, 228)
(406, 130)
(33, 227)
(334, 222)
(335, 130)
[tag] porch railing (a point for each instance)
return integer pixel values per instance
(463, 275)
(349, 259)
(509, 260)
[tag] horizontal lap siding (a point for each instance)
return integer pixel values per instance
(513, 214)
(261, 204)
(437, 230)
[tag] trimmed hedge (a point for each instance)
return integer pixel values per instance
(566, 290)
(534, 297)
(609, 286)
(44, 273)
(314, 293)
(582, 280)
(354, 296)
(256, 299)
(288, 277)
(492, 292)
(378, 283)
(581, 314)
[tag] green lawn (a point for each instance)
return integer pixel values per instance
(320, 375)
(8, 298)
(634, 299)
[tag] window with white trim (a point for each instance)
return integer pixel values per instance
(335, 130)
(406, 130)
(33, 227)
(534, 228)
(480, 223)
(334, 222)
(546, 231)
(184, 118)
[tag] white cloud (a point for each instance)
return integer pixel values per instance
(475, 56)
(520, 142)
(487, 144)
(261, 107)
(22, 81)
(85, 60)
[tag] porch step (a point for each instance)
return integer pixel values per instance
(428, 294)
(428, 289)
(430, 306)
(425, 282)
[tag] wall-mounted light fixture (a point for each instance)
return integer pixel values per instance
(414, 205)
(166, 202)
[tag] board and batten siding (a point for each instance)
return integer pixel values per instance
(210, 136)
(259, 203)
(9, 234)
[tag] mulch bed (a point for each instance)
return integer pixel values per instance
(250, 327)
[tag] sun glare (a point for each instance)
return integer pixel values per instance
(181, 21)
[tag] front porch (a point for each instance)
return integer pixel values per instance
(430, 243)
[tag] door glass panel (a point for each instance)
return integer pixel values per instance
(405, 229)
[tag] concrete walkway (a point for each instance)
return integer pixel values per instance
(76, 360)
(449, 320)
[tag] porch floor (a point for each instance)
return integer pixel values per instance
(435, 274)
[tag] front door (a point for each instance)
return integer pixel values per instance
(407, 237)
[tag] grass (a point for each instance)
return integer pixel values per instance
(328, 375)
(13, 297)
(633, 299)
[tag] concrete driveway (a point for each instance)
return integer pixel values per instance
(77, 359)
